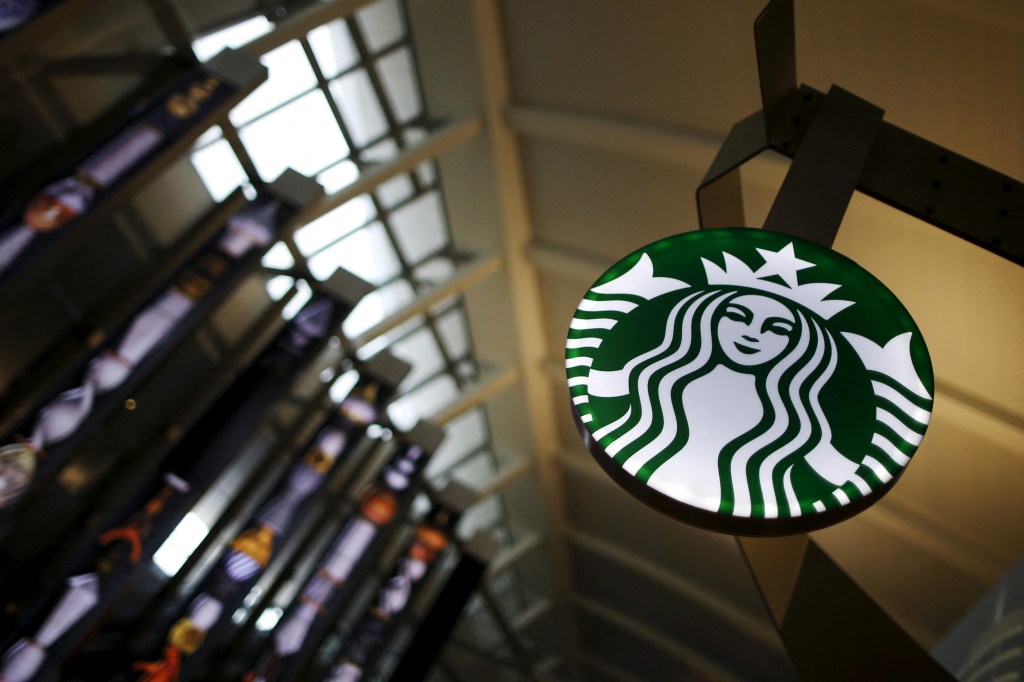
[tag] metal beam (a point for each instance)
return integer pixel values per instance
(677, 146)
(531, 614)
(493, 383)
(506, 477)
(174, 26)
(775, 42)
(510, 556)
(468, 276)
(823, 177)
(301, 23)
(696, 661)
(720, 195)
(567, 263)
(608, 670)
(826, 620)
(762, 633)
(756, 630)
(443, 140)
(527, 305)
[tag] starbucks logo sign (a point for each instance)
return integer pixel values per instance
(748, 381)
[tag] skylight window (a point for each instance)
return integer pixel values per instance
(300, 135)
(232, 36)
(288, 76)
(339, 101)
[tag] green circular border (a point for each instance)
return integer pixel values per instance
(721, 240)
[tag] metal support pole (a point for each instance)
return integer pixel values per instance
(820, 183)
(832, 629)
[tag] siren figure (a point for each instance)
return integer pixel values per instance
(727, 406)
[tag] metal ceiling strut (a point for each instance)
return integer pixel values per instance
(903, 170)
(839, 144)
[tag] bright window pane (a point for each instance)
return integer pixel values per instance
(365, 253)
(212, 133)
(334, 225)
(302, 295)
(302, 135)
(338, 176)
(381, 24)
(278, 256)
(219, 169)
(375, 307)
(422, 349)
(278, 286)
(343, 385)
(233, 36)
(465, 433)
(359, 107)
(289, 75)
(333, 48)
(395, 190)
(454, 333)
(423, 403)
(419, 227)
(427, 172)
(384, 150)
(414, 135)
(398, 74)
(436, 270)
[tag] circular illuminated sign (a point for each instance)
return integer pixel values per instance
(748, 381)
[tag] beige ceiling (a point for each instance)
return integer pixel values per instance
(602, 118)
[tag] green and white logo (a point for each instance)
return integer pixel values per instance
(754, 381)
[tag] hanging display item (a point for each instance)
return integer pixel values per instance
(45, 438)
(374, 629)
(197, 632)
(386, 499)
(190, 468)
(434, 628)
(28, 228)
(748, 381)
(16, 13)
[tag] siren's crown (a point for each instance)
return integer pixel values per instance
(785, 264)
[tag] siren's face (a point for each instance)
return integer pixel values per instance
(755, 329)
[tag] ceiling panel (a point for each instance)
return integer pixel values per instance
(604, 203)
(675, 64)
(691, 624)
(708, 561)
(624, 648)
(950, 72)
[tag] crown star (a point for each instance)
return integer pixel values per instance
(783, 263)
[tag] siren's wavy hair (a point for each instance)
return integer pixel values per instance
(788, 386)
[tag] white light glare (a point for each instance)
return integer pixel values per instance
(180, 544)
